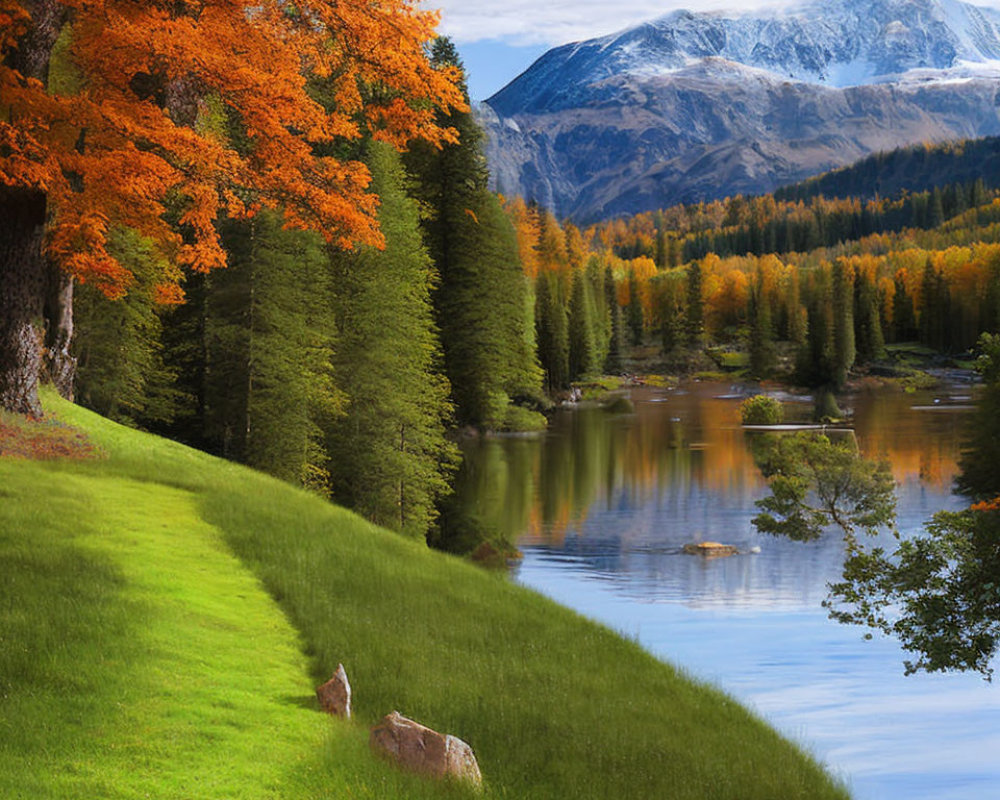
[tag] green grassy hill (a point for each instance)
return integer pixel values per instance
(164, 617)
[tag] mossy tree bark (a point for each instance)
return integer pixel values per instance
(22, 291)
(59, 364)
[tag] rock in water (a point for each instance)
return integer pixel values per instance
(710, 549)
(335, 695)
(421, 749)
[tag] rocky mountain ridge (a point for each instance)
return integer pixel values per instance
(697, 106)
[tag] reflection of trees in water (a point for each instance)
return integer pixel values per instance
(496, 483)
(920, 445)
(593, 463)
(540, 489)
(594, 459)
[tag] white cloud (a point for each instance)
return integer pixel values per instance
(553, 22)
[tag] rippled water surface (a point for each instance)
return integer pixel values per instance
(603, 504)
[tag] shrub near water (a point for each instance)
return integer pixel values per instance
(554, 706)
(761, 410)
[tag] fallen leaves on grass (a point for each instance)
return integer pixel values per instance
(43, 439)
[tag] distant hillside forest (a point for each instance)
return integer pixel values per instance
(826, 282)
(907, 169)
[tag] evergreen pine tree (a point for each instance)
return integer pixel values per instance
(634, 315)
(795, 315)
(601, 322)
(904, 324)
(977, 193)
(671, 289)
(481, 299)
(762, 353)
(695, 314)
(662, 256)
(185, 355)
(390, 459)
(934, 305)
(870, 343)
(816, 364)
(844, 351)
(268, 335)
(553, 334)
(582, 347)
(959, 199)
(613, 363)
(935, 212)
(121, 373)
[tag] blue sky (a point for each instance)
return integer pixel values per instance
(491, 64)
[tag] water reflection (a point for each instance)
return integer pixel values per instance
(685, 454)
(603, 504)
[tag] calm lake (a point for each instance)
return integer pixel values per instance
(602, 505)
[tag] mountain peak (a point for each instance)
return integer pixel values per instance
(832, 42)
(696, 105)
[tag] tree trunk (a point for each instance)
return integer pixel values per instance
(59, 365)
(23, 267)
(33, 51)
(22, 293)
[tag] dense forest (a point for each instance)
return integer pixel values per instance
(302, 269)
(825, 284)
(339, 369)
(263, 230)
(907, 169)
(345, 370)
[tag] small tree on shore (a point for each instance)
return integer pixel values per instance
(816, 483)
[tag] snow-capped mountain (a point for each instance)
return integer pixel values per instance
(693, 106)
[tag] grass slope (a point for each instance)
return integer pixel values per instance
(164, 616)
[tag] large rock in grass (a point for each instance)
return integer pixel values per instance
(418, 748)
(335, 695)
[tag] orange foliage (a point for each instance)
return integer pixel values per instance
(526, 228)
(886, 295)
(988, 505)
(576, 251)
(894, 263)
(131, 147)
(551, 243)
(728, 296)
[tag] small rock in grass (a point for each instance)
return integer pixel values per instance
(421, 749)
(335, 695)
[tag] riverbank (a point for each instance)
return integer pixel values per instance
(906, 367)
(166, 615)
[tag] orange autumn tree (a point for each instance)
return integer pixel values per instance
(130, 145)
